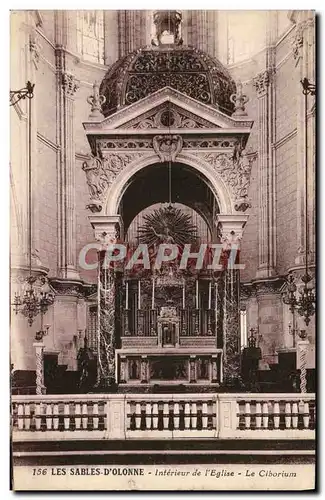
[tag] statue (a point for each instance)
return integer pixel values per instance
(165, 237)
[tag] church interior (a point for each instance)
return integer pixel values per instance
(162, 128)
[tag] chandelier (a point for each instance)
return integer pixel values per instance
(304, 302)
(32, 302)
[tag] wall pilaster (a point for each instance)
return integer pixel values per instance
(266, 174)
(67, 87)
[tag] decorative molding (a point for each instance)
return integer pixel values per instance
(127, 143)
(285, 139)
(168, 116)
(47, 142)
(40, 33)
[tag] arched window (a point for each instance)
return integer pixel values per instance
(90, 35)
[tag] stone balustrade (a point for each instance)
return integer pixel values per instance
(161, 416)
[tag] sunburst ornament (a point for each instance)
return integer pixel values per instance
(167, 225)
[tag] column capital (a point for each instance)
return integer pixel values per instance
(262, 82)
(70, 84)
(231, 228)
(107, 228)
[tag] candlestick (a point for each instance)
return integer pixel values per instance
(127, 295)
(183, 294)
(139, 295)
(209, 301)
(197, 294)
(153, 294)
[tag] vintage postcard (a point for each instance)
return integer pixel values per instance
(162, 188)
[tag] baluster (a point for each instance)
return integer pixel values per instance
(306, 416)
(247, 415)
(49, 416)
(155, 416)
(20, 413)
(148, 416)
(78, 418)
(95, 416)
(38, 418)
(138, 416)
(287, 418)
(56, 417)
(276, 415)
(66, 412)
(204, 415)
(187, 415)
(85, 416)
(294, 415)
(176, 416)
(166, 415)
(265, 415)
(27, 417)
(258, 415)
(237, 416)
(194, 415)
(128, 415)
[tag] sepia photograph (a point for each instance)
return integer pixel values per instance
(162, 250)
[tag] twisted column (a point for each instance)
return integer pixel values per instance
(302, 351)
(106, 232)
(39, 351)
(231, 231)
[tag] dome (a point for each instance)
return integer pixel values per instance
(185, 69)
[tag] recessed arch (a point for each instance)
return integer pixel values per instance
(203, 170)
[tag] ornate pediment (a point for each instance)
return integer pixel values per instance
(167, 116)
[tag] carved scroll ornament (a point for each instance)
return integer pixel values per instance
(235, 174)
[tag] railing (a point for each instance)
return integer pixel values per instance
(174, 416)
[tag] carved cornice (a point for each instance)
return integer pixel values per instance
(67, 287)
(69, 84)
(268, 286)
